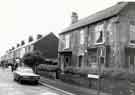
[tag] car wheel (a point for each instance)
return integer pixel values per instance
(36, 82)
(14, 78)
(20, 80)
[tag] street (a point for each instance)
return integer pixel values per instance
(10, 87)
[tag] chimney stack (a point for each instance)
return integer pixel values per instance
(74, 17)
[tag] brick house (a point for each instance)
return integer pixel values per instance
(47, 46)
(107, 36)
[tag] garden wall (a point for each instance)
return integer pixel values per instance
(119, 84)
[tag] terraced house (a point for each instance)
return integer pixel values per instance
(46, 45)
(108, 36)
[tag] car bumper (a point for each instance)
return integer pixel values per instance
(30, 78)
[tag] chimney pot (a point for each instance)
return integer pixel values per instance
(74, 17)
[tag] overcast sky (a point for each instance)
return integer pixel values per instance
(21, 18)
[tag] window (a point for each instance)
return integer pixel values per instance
(109, 32)
(102, 51)
(22, 52)
(102, 60)
(61, 42)
(31, 48)
(92, 59)
(81, 37)
(27, 49)
(132, 33)
(67, 40)
(99, 34)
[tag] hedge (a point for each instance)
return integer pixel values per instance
(81, 71)
(115, 73)
(46, 67)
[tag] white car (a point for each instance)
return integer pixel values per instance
(25, 74)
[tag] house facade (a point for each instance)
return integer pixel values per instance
(106, 38)
(47, 46)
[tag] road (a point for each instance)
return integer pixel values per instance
(10, 87)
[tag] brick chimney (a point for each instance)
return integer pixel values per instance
(74, 17)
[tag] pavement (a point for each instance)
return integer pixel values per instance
(10, 87)
(48, 87)
(69, 89)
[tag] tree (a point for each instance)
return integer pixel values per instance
(30, 39)
(33, 59)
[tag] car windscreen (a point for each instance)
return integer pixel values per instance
(26, 70)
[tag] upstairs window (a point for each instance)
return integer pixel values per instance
(99, 34)
(109, 32)
(82, 37)
(31, 48)
(61, 43)
(67, 40)
(22, 52)
(132, 33)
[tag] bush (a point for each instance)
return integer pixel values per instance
(81, 71)
(71, 69)
(111, 73)
(51, 62)
(46, 67)
(33, 59)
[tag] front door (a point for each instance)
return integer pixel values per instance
(67, 60)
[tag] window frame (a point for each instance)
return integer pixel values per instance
(67, 41)
(82, 37)
(99, 28)
(131, 31)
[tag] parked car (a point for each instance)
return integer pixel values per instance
(25, 74)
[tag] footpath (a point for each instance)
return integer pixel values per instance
(68, 88)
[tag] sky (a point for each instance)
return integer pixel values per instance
(21, 18)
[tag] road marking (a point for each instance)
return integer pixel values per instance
(63, 91)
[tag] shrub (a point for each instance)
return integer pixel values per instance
(81, 71)
(70, 69)
(33, 59)
(51, 62)
(112, 72)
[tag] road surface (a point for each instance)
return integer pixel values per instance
(10, 87)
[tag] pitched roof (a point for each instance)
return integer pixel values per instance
(36, 41)
(109, 12)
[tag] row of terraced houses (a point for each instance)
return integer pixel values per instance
(46, 45)
(105, 39)
(109, 34)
